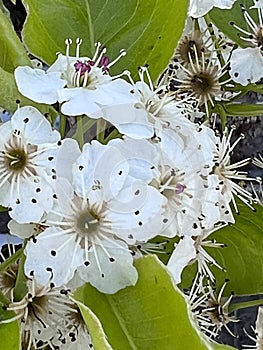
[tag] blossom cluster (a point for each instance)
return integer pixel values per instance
(85, 212)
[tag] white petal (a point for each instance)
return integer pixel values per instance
(34, 126)
(182, 254)
(141, 156)
(199, 8)
(104, 165)
(137, 129)
(116, 275)
(78, 101)
(258, 4)
(68, 153)
(137, 212)
(22, 230)
(246, 65)
(68, 256)
(31, 201)
(38, 85)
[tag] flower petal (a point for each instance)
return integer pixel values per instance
(38, 85)
(246, 65)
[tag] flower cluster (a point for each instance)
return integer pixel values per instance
(166, 176)
(86, 207)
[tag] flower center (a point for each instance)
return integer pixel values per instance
(89, 73)
(202, 83)
(87, 223)
(35, 307)
(15, 160)
(170, 184)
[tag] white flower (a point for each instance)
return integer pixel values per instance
(72, 332)
(82, 84)
(152, 109)
(181, 174)
(199, 8)
(28, 148)
(247, 64)
(38, 312)
(191, 249)
(91, 228)
(227, 173)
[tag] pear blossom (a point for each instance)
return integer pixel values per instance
(246, 64)
(38, 312)
(191, 249)
(82, 85)
(152, 109)
(181, 175)
(93, 223)
(27, 164)
(199, 8)
(227, 173)
(72, 332)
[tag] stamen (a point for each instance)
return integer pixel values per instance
(68, 42)
(78, 43)
(122, 54)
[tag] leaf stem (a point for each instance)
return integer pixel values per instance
(244, 304)
(101, 125)
(62, 125)
(113, 135)
(79, 135)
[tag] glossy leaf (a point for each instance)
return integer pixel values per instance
(147, 30)
(242, 110)
(223, 18)
(150, 315)
(99, 340)
(242, 255)
(12, 53)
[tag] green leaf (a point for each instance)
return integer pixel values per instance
(151, 315)
(99, 340)
(9, 332)
(9, 94)
(3, 208)
(147, 30)
(12, 53)
(222, 18)
(241, 110)
(242, 255)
